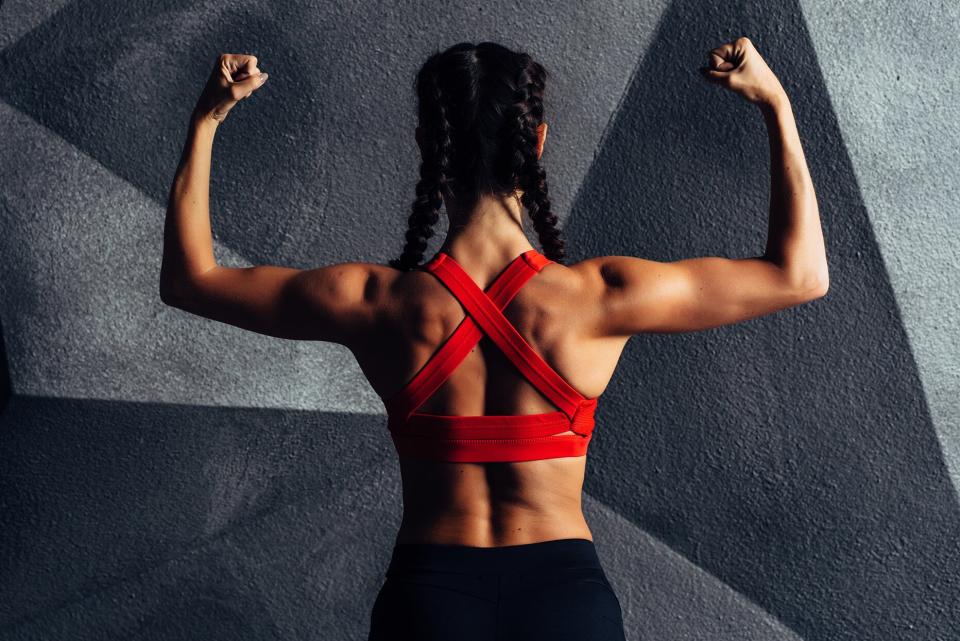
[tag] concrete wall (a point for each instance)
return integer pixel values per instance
(167, 477)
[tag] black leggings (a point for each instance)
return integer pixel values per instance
(552, 590)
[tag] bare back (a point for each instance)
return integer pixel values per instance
(577, 318)
(504, 503)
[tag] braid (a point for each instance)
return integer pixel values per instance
(531, 176)
(434, 171)
(479, 110)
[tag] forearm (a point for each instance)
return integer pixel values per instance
(187, 237)
(794, 236)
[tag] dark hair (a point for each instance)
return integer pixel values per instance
(479, 109)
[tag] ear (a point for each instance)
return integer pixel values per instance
(541, 137)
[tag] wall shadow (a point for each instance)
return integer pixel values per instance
(6, 387)
(792, 456)
(118, 79)
(238, 513)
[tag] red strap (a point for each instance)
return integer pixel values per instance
(537, 260)
(495, 325)
(456, 346)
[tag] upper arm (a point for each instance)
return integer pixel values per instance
(336, 303)
(637, 295)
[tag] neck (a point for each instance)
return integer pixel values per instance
(489, 233)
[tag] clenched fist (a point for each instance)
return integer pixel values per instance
(234, 77)
(739, 67)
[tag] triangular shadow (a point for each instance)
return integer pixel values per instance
(103, 493)
(793, 455)
(5, 385)
(104, 76)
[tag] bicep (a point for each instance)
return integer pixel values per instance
(640, 295)
(331, 303)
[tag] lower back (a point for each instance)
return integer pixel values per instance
(492, 504)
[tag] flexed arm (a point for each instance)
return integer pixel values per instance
(187, 239)
(639, 295)
(794, 236)
(334, 303)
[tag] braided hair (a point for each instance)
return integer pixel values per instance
(479, 109)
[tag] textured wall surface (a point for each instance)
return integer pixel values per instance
(163, 476)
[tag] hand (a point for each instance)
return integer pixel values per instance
(234, 77)
(739, 67)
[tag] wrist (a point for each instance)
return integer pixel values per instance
(774, 102)
(201, 121)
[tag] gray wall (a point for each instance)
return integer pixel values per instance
(167, 477)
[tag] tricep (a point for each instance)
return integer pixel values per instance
(637, 295)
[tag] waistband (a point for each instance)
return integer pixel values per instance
(440, 557)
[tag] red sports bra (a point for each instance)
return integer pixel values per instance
(492, 437)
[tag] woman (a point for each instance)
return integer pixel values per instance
(490, 356)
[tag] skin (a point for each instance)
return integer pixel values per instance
(579, 317)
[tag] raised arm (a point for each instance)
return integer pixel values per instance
(639, 295)
(336, 303)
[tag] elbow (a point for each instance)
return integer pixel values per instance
(169, 289)
(821, 281)
(171, 295)
(808, 282)
(820, 290)
(167, 298)
(815, 287)
(179, 290)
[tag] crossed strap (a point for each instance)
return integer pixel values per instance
(484, 316)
